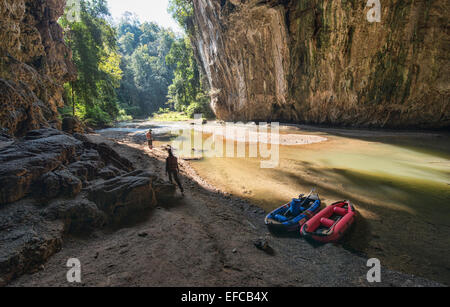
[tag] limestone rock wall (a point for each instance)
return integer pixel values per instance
(321, 61)
(34, 64)
(53, 184)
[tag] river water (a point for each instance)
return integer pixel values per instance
(398, 181)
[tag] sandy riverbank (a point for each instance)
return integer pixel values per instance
(205, 239)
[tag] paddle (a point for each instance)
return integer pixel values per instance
(307, 197)
(335, 223)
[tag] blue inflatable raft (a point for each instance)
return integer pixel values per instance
(293, 215)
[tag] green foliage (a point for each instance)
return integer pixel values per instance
(182, 11)
(93, 43)
(123, 116)
(95, 116)
(186, 92)
(200, 106)
(166, 115)
(147, 76)
(132, 70)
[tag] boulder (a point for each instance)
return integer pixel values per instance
(125, 195)
(79, 215)
(86, 170)
(109, 155)
(26, 161)
(109, 172)
(41, 195)
(26, 239)
(58, 183)
(47, 163)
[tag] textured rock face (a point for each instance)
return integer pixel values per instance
(125, 195)
(53, 183)
(321, 61)
(47, 163)
(27, 240)
(34, 64)
(29, 166)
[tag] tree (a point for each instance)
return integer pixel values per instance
(182, 11)
(186, 92)
(135, 68)
(147, 76)
(127, 43)
(94, 46)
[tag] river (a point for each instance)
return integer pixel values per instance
(399, 182)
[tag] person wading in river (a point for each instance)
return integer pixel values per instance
(149, 139)
(173, 170)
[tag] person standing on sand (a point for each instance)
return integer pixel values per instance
(150, 139)
(173, 170)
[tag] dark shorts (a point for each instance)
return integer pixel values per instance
(150, 142)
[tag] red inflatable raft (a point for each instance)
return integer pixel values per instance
(330, 224)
